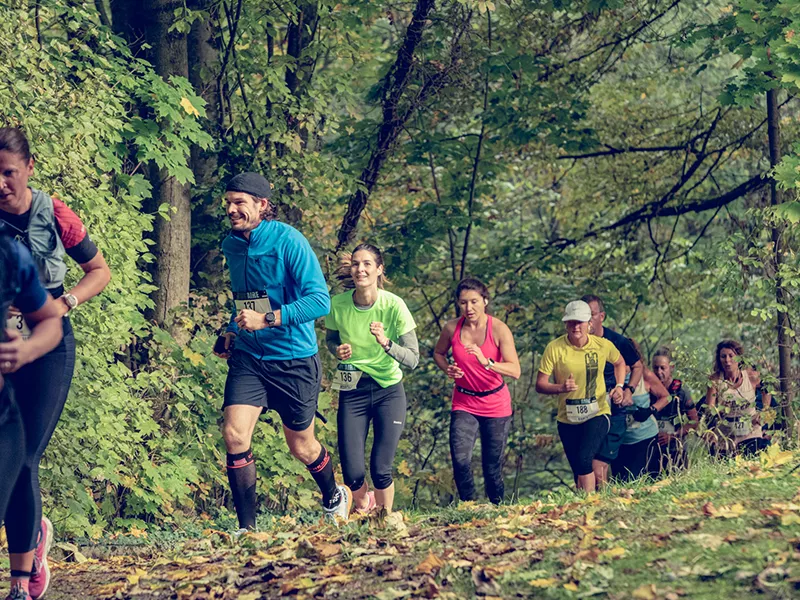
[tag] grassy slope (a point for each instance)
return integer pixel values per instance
(721, 530)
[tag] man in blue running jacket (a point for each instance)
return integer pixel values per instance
(270, 343)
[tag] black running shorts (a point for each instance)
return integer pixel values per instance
(581, 442)
(290, 387)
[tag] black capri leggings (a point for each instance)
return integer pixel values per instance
(386, 408)
(12, 445)
(41, 390)
(582, 441)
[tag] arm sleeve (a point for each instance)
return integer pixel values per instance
(32, 295)
(404, 321)
(332, 340)
(73, 234)
(547, 364)
(314, 301)
(406, 350)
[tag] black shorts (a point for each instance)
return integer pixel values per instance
(290, 387)
(581, 442)
(609, 449)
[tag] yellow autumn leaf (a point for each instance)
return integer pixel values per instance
(571, 587)
(543, 583)
(616, 552)
(194, 357)
(730, 512)
(137, 533)
(250, 596)
(694, 495)
(328, 550)
(790, 519)
(134, 577)
(645, 592)
(774, 457)
(189, 107)
(643, 96)
(430, 564)
(404, 469)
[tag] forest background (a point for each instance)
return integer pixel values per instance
(640, 150)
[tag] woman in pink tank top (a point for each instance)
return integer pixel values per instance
(483, 352)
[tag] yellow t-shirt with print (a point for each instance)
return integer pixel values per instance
(586, 365)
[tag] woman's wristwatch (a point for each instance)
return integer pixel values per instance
(70, 300)
(488, 366)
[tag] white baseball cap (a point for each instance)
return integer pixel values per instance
(577, 310)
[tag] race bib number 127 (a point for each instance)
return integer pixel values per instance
(257, 301)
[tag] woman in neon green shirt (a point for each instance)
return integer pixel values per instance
(371, 332)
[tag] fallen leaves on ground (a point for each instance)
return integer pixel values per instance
(586, 547)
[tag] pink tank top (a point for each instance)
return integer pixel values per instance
(478, 379)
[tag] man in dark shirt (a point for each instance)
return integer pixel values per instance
(609, 450)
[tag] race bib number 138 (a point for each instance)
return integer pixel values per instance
(17, 322)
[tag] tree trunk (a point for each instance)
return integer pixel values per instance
(784, 341)
(173, 237)
(299, 36)
(128, 22)
(204, 74)
(203, 70)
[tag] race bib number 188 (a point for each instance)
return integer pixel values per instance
(582, 410)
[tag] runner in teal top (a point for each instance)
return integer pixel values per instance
(371, 331)
(639, 453)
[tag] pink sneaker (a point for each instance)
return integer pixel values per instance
(40, 577)
(371, 504)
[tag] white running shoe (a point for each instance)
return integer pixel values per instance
(342, 510)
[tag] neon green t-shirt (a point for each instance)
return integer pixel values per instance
(353, 326)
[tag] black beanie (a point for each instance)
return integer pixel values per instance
(250, 183)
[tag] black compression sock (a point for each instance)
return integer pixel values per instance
(242, 478)
(322, 472)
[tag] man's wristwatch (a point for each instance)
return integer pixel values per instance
(70, 300)
(488, 366)
(269, 318)
(628, 386)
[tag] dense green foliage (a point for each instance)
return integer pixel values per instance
(551, 149)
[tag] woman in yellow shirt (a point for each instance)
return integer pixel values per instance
(576, 362)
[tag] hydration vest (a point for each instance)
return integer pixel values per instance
(44, 242)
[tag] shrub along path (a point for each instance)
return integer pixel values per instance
(720, 530)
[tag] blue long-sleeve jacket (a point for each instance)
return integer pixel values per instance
(279, 260)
